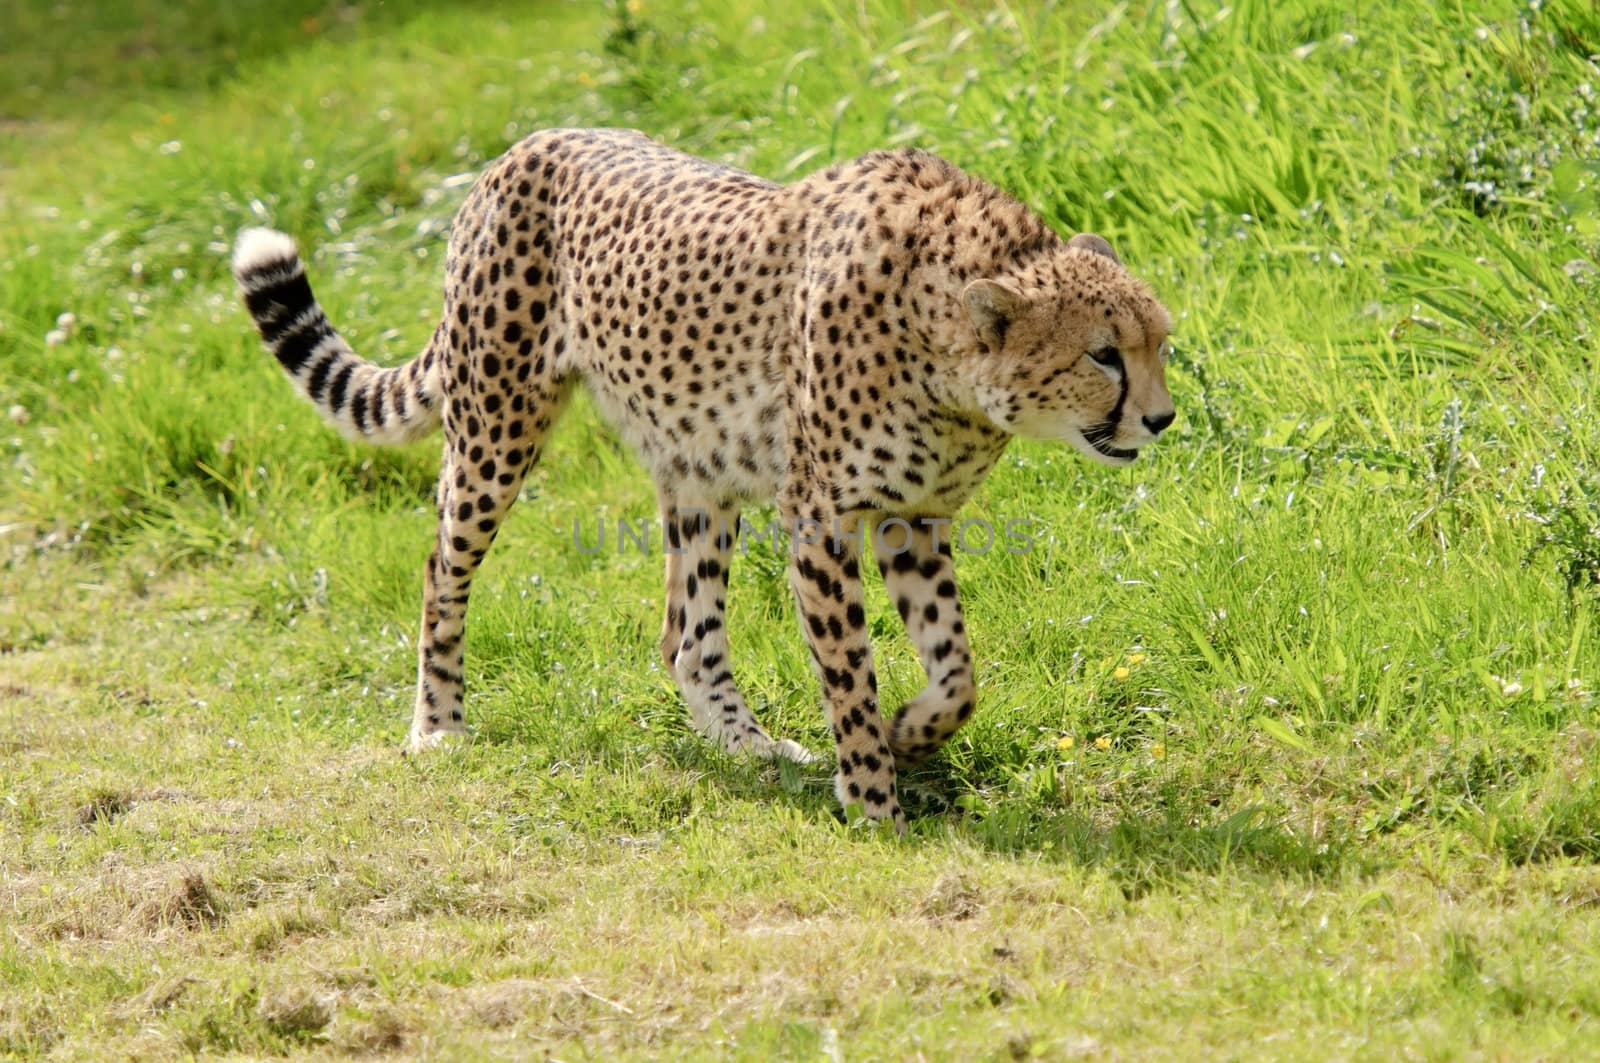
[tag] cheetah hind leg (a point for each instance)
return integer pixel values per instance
(469, 516)
(480, 475)
(694, 636)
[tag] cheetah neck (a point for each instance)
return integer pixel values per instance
(953, 250)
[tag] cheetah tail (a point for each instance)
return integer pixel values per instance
(362, 400)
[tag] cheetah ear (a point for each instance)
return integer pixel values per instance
(993, 306)
(1098, 244)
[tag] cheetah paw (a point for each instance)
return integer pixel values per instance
(420, 743)
(763, 746)
(788, 749)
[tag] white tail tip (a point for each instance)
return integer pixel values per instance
(256, 248)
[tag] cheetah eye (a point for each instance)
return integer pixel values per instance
(1109, 357)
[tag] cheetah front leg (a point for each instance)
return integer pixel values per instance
(827, 584)
(694, 637)
(920, 576)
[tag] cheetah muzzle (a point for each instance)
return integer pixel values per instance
(858, 345)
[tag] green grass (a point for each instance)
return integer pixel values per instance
(1343, 802)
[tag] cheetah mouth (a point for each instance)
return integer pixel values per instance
(1098, 439)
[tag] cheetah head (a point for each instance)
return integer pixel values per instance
(1073, 347)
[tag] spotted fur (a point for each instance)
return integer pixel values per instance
(859, 344)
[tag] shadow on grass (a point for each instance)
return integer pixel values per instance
(1151, 837)
(1526, 805)
(1150, 834)
(1142, 851)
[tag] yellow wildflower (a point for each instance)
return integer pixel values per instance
(1136, 658)
(1065, 742)
(1121, 672)
(1103, 742)
(1158, 750)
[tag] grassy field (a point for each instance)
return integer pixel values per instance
(1288, 743)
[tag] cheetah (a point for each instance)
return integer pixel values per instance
(858, 345)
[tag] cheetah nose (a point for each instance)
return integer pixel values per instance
(1160, 421)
